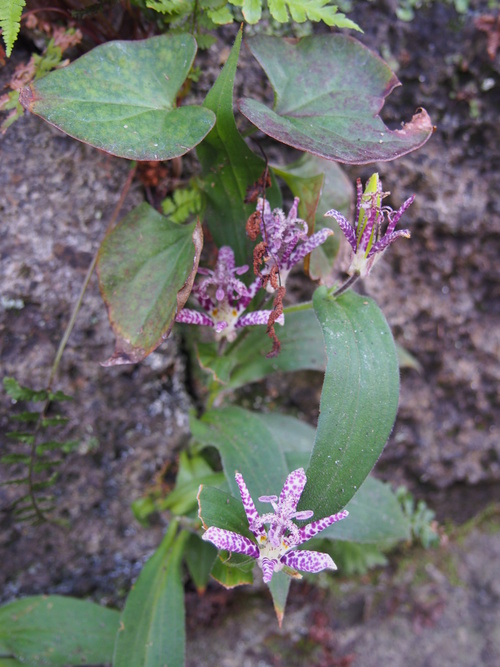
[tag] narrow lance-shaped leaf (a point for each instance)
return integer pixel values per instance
(57, 631)
(152, 631)
(329, 90)
(229, 167)
(358, 402)
(146, 268)
(121, 97)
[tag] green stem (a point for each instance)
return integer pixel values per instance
(297, 307)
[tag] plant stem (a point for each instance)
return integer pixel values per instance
(347, 285)
(90, 271)
(60, 350)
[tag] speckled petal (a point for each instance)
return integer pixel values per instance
(312, 529)
(308, 246)
(267, 565)
(394, 218)
(249, 506)
(386, 241)
(257, 317)
(226, 539)
(292, 489)
(308, 561)
(189, 316)
(345, 227)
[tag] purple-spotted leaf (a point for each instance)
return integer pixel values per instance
(359, 399)
(122, 97)
(146, 267)
(329, 90)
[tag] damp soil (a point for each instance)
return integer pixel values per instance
(440, 293)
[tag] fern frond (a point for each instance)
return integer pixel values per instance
(310, 10)
(10, 21)
(39, 459)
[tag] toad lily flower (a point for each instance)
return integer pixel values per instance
(285, 241)
(274, 548)
(366, 238)
(224, 299)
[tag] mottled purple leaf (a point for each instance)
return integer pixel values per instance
(146, 268)
(329, 90)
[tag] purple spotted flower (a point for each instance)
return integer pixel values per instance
(285, 240)
(224, 299)
(367, 238)
(274, 548)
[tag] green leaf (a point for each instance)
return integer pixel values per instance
(252, 11)
(312, 10)
(358, 402)
(246, 446)
(329, 90)
(121, 98)
(146, 267)
(336, 192)
(26, 417)
(302, 348)
(26, 438)
(58, 631)
(200, 557)
(10, 21)
(57, 420)
(193, 471)
(375, 516)
(152, 631)
(352, 558)
(229, 167)
(231, 573)
(279, 587)
(20, 393)
(15, 458)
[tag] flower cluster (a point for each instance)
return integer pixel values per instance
(367, 238)
(275, 547)
(285, 242)
(224, 299)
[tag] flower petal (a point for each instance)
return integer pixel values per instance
(189, 316)
(249, 506)
(308, 246)
(308, 561)
(292, 489)
(386, 241)
(345, 227)
(312, 529)
(257, 317)
(268, 566)
(226, 539)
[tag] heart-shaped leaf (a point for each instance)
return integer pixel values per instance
(146, 267)
(229, 167)
(121, 97)
(329, 90)
(359, 399)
